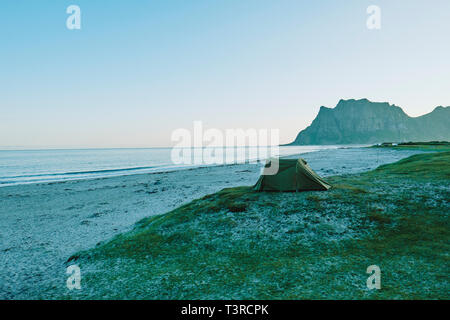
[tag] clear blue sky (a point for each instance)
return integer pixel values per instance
(138, 69)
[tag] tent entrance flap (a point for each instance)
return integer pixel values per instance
(292, 175)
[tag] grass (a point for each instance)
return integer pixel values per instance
(421, 166)
(241, 244)
(424, 146)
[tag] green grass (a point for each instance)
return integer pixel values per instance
(241, 244)
(424, 146)
(421, 166)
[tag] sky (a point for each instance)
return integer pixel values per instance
(138, 70)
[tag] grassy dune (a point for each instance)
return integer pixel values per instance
(240, 244)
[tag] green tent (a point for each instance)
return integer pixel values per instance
(292, 175)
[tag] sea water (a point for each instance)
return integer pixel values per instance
(32, 166)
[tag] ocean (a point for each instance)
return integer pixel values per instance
(35, 166)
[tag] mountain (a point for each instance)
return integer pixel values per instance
(365, 122)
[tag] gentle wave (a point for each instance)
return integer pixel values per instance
(78, 172)
(40, 166)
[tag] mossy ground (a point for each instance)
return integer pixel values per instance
(241, 244)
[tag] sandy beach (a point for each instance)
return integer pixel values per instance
(42, 225)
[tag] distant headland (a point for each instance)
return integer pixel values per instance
(365, 122)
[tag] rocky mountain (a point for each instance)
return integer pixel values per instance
(366, 122)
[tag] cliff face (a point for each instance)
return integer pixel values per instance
(366, 122)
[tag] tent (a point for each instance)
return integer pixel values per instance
(292, 175)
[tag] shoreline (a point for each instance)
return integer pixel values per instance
(43, 224)
(106, 170)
